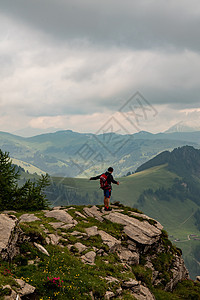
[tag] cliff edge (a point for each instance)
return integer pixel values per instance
(85, 252)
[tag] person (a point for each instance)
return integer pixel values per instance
(107, 189)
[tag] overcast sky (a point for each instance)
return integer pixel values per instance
(73, 64)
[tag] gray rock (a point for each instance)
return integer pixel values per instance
(69, 246)
(9, 236)
(80, 214)
(142, 293)
(25, 288)
(129, 257)
(47, 239)
(91, 231)
(119, 291)
(130, 283)
(141, 232)
(179, 272)
(56, 225)
(70, 208)
(93, 212)
(54, 239)
(111, 279)
(109, 295)
(89, 258)
(108, 239)
(131, 245)
(91, 295)
(67, 226)
(41, 249)
(12, 296)
(80, 247)
(60, 215)
(9, 212)
(57, 207)
(157, 224)
(76, 233)
(139, 291)
(28, 218)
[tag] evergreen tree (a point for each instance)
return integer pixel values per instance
(8, 179)
(28, 197)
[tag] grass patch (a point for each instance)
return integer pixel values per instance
(143, 274)
(72, 274)
(188, 289)
(34, 231)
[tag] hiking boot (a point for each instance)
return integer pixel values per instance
(109, 209)
(106, 208)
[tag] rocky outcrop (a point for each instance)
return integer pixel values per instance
(23, 291)
(128, 236)
(141, 232)
(179, 272)
(138, 290)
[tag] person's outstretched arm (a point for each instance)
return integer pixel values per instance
(114, 181)
(95, 178)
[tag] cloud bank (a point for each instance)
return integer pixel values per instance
(70, 64)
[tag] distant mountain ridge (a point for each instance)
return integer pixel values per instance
(71, 154)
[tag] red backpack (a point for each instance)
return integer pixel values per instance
(103, 181)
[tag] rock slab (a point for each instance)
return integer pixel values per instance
(89, 258)
(60, 215)
(140, 231)
(28, 218)
(9, 235)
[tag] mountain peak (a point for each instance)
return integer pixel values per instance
(184, 126)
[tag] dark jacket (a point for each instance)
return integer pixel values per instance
(110, 179)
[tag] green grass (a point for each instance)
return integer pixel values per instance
(132, 186)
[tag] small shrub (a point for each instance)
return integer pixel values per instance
(54, 283)
(74, 250)
(21, 260)
(5, 292)
(143, 274)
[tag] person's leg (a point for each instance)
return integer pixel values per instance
(108, 194)
(105, 201)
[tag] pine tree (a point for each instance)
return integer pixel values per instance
(8, 180)
(30, 196)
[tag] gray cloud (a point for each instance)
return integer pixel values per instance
(77, 58)
(136, 24)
